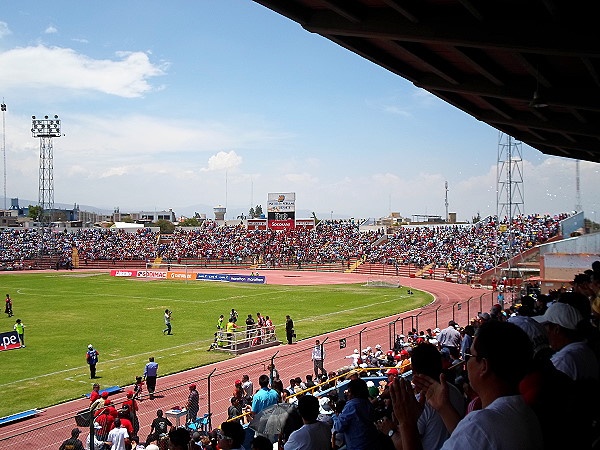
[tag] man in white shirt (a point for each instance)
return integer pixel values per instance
(573, 356)
(505, 422)
(118, 437)
(318, 356)
(314, 434)
(449, 337)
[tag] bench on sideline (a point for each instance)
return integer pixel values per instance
(110, 390)
(18, 416)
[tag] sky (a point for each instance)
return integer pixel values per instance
(192, 104)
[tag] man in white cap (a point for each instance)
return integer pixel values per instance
(573, 355)
(355, 356)
(91, 358)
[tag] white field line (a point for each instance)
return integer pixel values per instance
(201, 342)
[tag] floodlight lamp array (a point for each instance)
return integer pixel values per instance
(45, 127)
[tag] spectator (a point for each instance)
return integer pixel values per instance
(261, 443)
(426, 360)
(73, 443)
(98, 438)
(192, 404)
(179, 439)
(265, 396)
(313, 434)
(505, 420)
(449, 337)
(232, 436)
(466, 340)
(248, 388)
(573, 355)
(318, 357)
(235, 409)
(118, 437)
(160, 427)
(356, 421)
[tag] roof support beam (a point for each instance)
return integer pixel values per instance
(404, 8)
(533, 37)
(479, 61)
(344, 9)
(434, 63)
(568, 98)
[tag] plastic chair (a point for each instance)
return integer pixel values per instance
(200, 424)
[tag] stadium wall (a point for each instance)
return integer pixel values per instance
(564, 266)
(572, 224)
(588, 243)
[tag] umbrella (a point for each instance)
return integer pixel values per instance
(270, 421)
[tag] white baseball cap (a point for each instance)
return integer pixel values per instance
(561, 314)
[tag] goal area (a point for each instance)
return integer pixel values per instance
(383, 281)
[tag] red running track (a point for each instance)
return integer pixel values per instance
(291, 360)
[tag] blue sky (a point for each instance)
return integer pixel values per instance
(162, 102)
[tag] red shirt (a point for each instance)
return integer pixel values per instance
(106, 422)
(94, 396)
(126, 423)
(130, 404)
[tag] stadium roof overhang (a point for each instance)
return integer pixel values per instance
(528, 68)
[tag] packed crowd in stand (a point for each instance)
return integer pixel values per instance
(471, 249)
(522, 376)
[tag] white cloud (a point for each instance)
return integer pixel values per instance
(4, 30)
(51, 30)
(223, 161)
(301, 178)
(392, 109)
(81, 40)
(127, 76)
(114, 171)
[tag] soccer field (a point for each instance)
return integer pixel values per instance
(123, 319)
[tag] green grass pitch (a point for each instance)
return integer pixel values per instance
(123, 319)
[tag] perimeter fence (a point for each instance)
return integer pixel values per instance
(217, 386)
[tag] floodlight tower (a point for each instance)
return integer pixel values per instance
(446, 186)
(510, 198)
(46, 129)
(3, 109)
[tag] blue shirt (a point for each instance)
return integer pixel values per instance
(151, 369)
(465, 345)
(356, 422)
(264, 398)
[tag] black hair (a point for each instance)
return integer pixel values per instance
(427, 360)
(308, 407)
(491, 342)
(358, 388)
(179, 437)
(263, 381)
(235, 431)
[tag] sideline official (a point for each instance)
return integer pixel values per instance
(150, 372)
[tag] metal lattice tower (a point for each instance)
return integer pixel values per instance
(578, 206)
(510, 200)
(46, 129)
